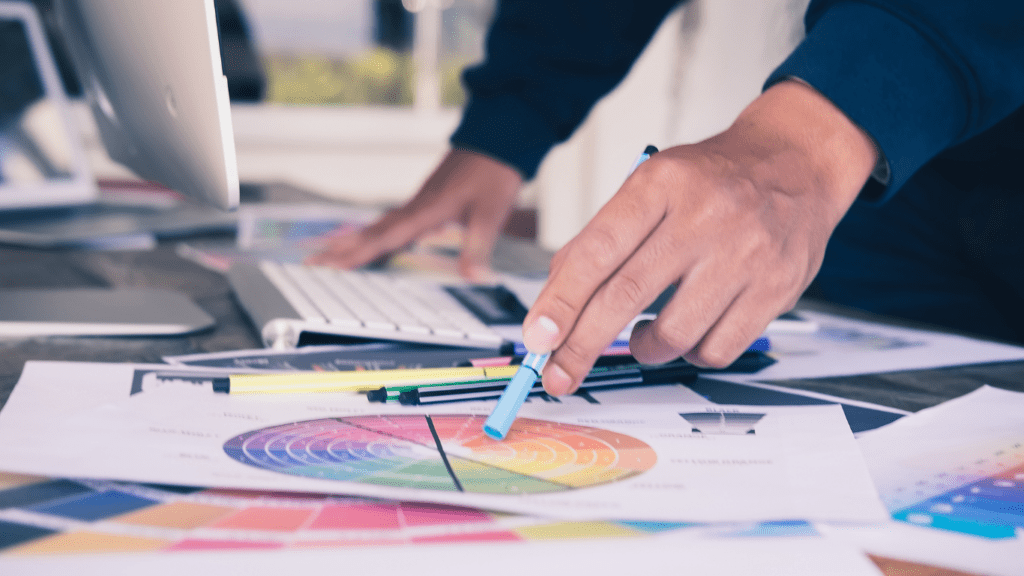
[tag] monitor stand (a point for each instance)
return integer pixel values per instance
(98, 312)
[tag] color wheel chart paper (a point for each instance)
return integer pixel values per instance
(957, 467)
(640, 462)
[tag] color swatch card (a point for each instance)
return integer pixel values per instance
(40, 516)
(958, 466)
(687, 463)
(952, 477)
(790, 556)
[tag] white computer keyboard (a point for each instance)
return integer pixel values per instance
(364, 303)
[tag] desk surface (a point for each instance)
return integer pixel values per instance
(157, 268)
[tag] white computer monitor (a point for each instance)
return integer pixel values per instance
(151, 71)
(42, 160)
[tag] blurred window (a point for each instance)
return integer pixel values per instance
(367, 52)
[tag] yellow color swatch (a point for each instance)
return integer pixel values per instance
(182, 515)
(9, 480)
(572, 530)
(79, 542)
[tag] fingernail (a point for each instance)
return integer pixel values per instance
(556, 381)
(639, 328)
(539, 337)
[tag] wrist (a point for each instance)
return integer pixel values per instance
(502, 173)
(810, 145)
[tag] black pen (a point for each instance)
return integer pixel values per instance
(673, 372)
(391, 393)
(606, 370)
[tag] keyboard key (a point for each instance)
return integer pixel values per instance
(307, 311)
(333, 308)
(355, 301)
(374, 305)
(375, 291)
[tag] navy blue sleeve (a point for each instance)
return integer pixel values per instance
(920, 76)
(548, 62)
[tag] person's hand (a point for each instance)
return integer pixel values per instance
(466, 187)
(739, 222)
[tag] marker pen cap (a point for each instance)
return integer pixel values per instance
(498, 423)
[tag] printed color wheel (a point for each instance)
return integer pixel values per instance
(445, 452)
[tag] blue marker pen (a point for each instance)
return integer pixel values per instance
(515, 394)
(504, 413)
(643, 157)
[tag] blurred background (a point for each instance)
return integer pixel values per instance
(355, 99)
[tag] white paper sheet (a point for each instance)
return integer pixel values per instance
(953, 478)
(844, 346)
(979, 436)
(934, 548)
(958, 465)
(640, 462)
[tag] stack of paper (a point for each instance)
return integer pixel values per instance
(690, 462)
(641, 479)
(301, 472)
